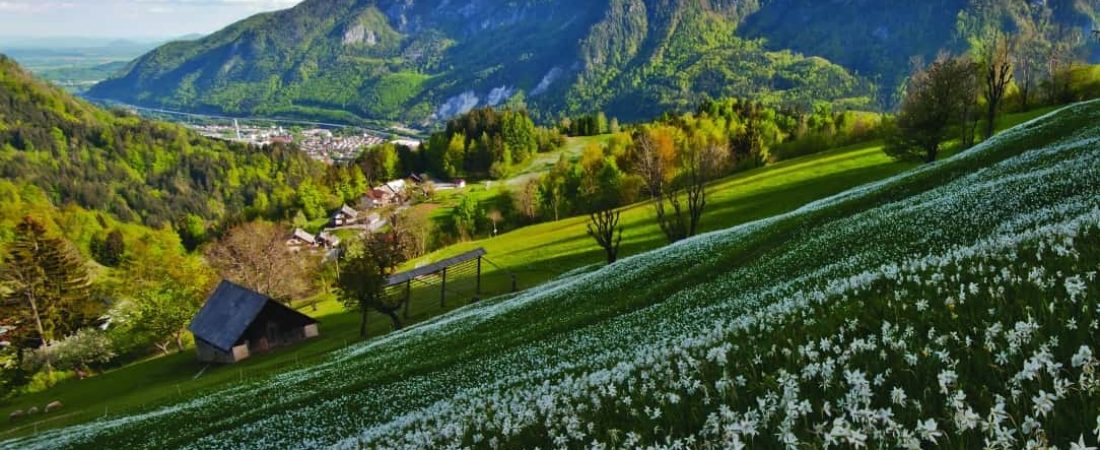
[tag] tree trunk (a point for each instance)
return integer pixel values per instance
(363, 321)
(179, 340)
(697, 202)
(37, 319)
(392, 314)
(933, 151)
(991, 117)
(162, 346)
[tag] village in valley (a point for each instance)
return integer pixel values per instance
(323, 144)
(365, 218)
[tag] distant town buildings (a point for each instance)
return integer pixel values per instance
(318, 143)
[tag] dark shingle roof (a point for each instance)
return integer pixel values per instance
(227, 314)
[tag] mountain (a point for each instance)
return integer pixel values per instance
(941, 306)
(418, 60)
(879, 38)
(138, 170)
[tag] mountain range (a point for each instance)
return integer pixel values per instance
(419, 61)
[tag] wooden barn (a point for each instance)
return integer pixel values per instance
(237, 322)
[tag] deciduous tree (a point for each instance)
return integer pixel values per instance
(602, 193)
(159, 291)
(937, 99)
(698, 162)
(367, 265)
(255, 255)
(995, 59)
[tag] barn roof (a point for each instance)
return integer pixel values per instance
(303, 236)
(227, 314)
(434, 267)
(346, 211)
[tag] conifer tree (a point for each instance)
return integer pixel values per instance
(46, 282)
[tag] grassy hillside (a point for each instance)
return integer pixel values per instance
(945, 305)
(540, 252)
(536, 254)
(148, 384)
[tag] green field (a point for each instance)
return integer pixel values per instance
(940, 307)
(535, 254)
(540, 252)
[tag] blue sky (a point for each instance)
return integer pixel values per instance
(126, 18)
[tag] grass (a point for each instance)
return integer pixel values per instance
(157, 381)
(543, 162)
(962, 284)
(535, 254)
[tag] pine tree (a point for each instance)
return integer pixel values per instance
(47, 282)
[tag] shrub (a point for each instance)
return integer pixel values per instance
(86, 348)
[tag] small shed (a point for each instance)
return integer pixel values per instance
(237, 322)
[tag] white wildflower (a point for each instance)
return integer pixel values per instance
(928, 430)
(1082, 357)
(1044, 403)
(1080, 444)
(897, 396)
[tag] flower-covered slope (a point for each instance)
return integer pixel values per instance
(952, 306)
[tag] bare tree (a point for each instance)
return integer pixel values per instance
(415, 228)
(603, 226)
(996, 63)
(654, 154)
(1061, 56)
(1029, 49)
(698, 161)
(255, 255)
(527, 200)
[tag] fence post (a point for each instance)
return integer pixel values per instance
(408, 296)
(443, 290)
(478, 292)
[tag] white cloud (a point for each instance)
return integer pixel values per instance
(126, 17)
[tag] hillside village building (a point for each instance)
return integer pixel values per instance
(300, 239)
(344, 216)
(237, 322)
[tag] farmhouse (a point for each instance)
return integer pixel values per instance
(237, 322)
(300, 238)
(344, 216)
(328, 240)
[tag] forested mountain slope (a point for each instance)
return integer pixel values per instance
(942, 306)
(138, 170)
(417, 60)
(879, 38)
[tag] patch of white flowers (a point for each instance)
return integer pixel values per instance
(939, 315)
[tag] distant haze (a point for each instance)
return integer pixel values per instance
(133, 19)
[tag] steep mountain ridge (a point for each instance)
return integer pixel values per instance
(425, 60)
(417, 60)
